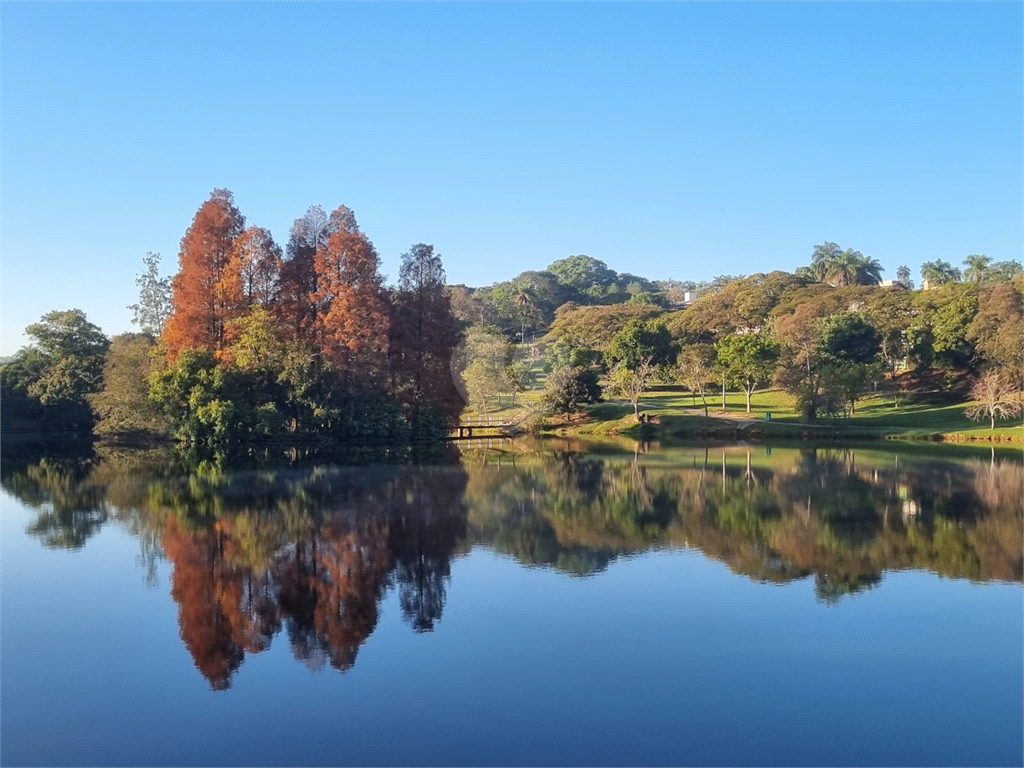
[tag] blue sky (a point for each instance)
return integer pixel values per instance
(669, 140)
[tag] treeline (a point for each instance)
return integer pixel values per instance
(528, 303)
(250, 341)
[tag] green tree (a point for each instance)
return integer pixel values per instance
(939, 272)
(582, 272)
(595, 326)
(869, 271)
(68, 333)
(850, 345)
(997, 328)
(154, 306)
(526, 303)
(656, 299)
(567, 390)
(848, 267)
(256, 341)
(742, 305)
(747, 359)
(641, 340)
(631, 383)
(485, 357)
(976, 267)
(822, 259)
(195, 394)
(123, 406)
(827, 359)
(54, 379)
(949, 324)
(843, 268)
(903, 276)
(695, 365)
(567, 351)
(1005, 271)
(519, 377)
(849, 338)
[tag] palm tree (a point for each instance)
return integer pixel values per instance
(939, 272)
(843, 268)
(869, 271)
(821, 257)
(525, 299)
(903, 275)
(977, 267)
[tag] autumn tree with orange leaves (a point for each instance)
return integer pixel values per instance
(198, 308)
(259, 346)
(351, 323)
(251, 277)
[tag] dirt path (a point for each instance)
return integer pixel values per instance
(742, 419)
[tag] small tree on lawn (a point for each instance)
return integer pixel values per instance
(481, 365)
(997, 396)
(631, 384)
(746, 359)
(568, 389)
(519, 377)
(696, 371)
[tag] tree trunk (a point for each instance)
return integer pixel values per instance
(636, 409)
(748, 392)
(992, 416)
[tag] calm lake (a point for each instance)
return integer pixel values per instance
(527, 603)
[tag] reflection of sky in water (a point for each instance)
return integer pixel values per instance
(665, 657)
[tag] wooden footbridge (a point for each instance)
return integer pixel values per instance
(482, 427)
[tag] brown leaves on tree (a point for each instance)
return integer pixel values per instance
(351, 324)
(236, 296)
(198, 310)
(252, 275)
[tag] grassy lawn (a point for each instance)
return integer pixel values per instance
(917, 417)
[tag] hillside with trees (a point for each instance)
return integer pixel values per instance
(250, 342)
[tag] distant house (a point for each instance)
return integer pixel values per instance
(688, 298)
(895, 284)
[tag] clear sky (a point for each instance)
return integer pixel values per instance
(669, 140)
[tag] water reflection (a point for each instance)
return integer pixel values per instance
(308, 550)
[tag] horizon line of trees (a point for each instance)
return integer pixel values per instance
(529, 302)
(249, 341)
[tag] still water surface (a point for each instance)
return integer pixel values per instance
(542, 604)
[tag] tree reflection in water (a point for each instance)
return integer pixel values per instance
(312, 547)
